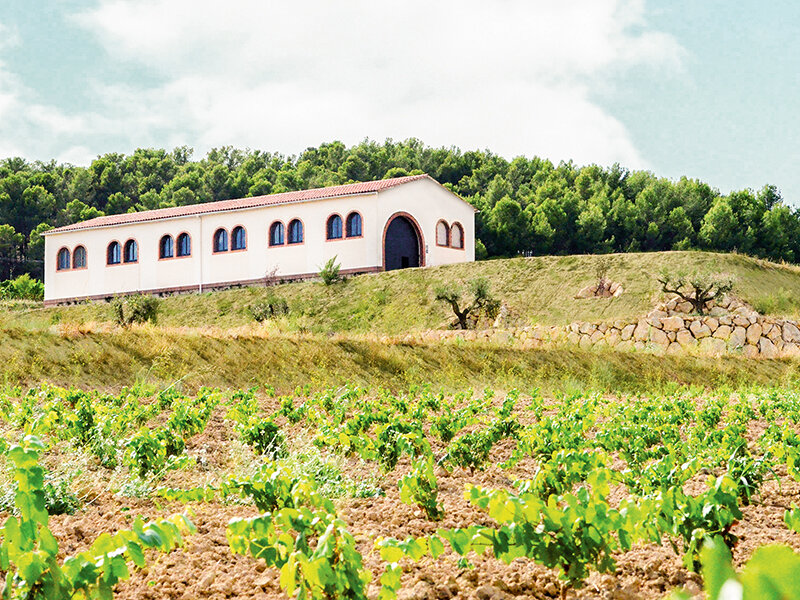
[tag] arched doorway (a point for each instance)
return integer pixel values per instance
(402, 243)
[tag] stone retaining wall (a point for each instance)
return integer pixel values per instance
(743, 332)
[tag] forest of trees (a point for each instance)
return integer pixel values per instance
(527, 205)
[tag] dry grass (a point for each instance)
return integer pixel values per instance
(333, 333)
(112, 359)
(537, 290)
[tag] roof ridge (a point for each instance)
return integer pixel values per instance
(346, 189)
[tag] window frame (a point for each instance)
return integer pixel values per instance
(447, 233)
(85, 264)
(347, 233)
(161, 255)
(272, 226)
(214, 246)
(302, 240)
(108, 253)
(177, 249)
(328, 223)
(461, 229)
(128, 243)
(232, 237)
(59, 254)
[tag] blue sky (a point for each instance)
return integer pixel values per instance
(705, 89)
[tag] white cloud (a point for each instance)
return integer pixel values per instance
(24, 121)
(514, 76)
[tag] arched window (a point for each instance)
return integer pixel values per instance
(296, 231)
(238, 238)
(442, 234)
(79, 258)
(166, 247)
(354, 225)
(113, 254)
(63, 260)
(184, 245)
(276, 234)
(334, 227)
(457, 236)
(220, 240)
(130, 253)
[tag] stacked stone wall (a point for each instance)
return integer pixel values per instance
(665, 330)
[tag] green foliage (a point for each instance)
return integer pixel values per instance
(698, 519)
(470, 450)
(151, 453)
(22, 287)
(148, 452)
(301, 535)
(771, 572)
(139, 308)
(59, 499)
(419, 487)
(315, 553)
(573, 533)
(329, 273)
(270, 307)
(264, 436)
(481, 303)
(562, 516)
(522, 203)
(29, 551)
(696, 288)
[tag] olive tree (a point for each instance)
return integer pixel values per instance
(479, 300)
(696, 288)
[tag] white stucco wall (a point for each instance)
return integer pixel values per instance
(425, 200)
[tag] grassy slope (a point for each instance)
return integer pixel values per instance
(113, 359)
(210, 339)
(537, 290)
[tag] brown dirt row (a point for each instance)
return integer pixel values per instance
(205, 567)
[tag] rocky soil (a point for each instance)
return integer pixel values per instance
(205, 567)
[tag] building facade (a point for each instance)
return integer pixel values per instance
(371, 226)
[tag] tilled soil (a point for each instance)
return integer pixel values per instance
(205, 567)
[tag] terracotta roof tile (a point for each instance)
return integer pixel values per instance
(349, 189)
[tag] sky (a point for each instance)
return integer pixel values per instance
(706, 89)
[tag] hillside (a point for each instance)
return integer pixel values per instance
(332, 333)
(536, 290)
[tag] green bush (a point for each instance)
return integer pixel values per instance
(58, 498)
(136, 309)
(270, 307)
(22, 288)
(329, 273)
(264, 436)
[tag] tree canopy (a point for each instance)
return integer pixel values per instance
(526, 206)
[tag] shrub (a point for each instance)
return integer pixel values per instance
(264, 436)
(420, 488)
(136, 309)
(329, 273)
(272, 306)
(22, 288)
(482, 303)
(58, 498)
(601, 272)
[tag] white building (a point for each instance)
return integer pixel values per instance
(371, 226)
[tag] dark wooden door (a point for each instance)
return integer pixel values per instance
(401, 245)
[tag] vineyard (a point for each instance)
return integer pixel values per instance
(361, 493)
